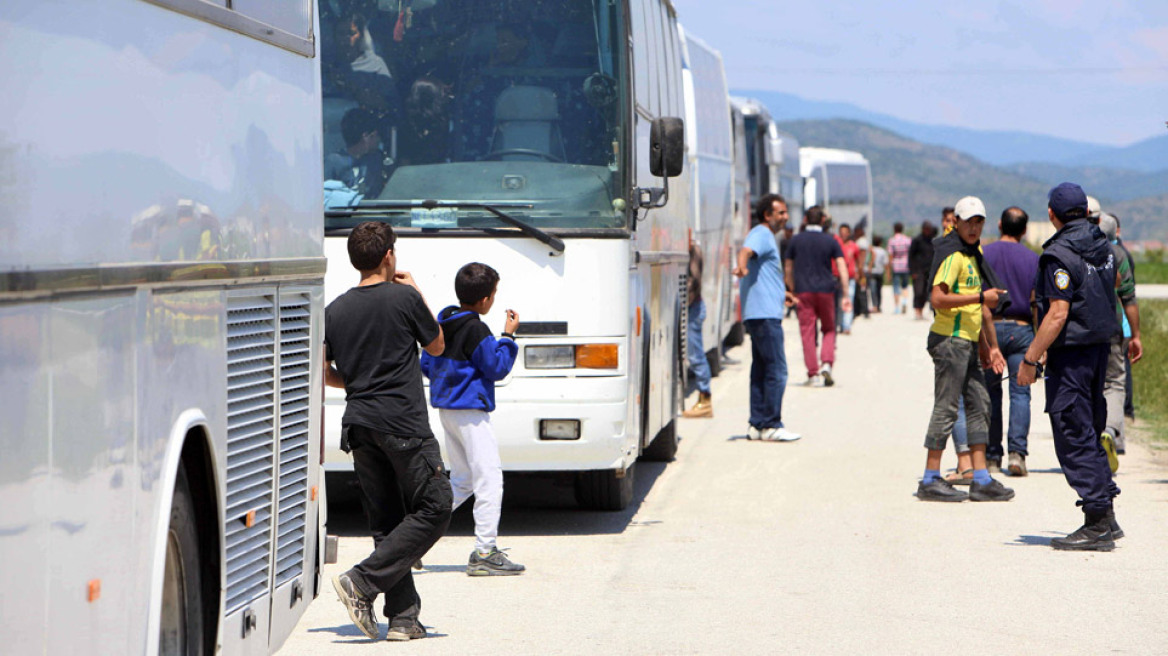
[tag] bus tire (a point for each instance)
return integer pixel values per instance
(663, 448)
(181, 624)
(602, 490)
(736, 336)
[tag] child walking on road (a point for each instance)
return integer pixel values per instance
(462, 387)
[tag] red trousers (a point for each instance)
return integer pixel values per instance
(817, 306)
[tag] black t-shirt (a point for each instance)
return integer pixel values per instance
(372, 334)
(811, 253)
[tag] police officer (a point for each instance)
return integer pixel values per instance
(1075, 293)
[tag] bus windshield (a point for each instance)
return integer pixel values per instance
(501, 102)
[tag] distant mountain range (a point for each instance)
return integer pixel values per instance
(912, 180)
(993, 147)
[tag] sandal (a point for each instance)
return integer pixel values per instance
(963, 477)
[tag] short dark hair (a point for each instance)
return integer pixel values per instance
(813, 215)
(877, 240)
(948, 210)
(928, 229)
(474, 282)
(368, 244)
(765, 204)
(1014, 221)
(844, 226)
(898, 227)
(355, 123)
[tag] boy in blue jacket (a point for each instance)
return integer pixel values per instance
(462, 387)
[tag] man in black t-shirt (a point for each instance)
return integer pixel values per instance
(808, 261)
(372, 333)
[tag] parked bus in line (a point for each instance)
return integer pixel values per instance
(541, 138)
(766, 161)
(710, 151)
(841, 182)
(161, 295)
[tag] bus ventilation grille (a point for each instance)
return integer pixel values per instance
(292, 497)
(251, 404)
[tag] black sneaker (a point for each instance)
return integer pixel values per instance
(1094, 535)
(405, 628)
(939, 490)
(992, 491)
(359, 606)
(1116, 531)
(495, 563)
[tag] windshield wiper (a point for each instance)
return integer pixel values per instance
(372, 207)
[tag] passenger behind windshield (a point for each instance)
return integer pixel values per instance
(453, 88)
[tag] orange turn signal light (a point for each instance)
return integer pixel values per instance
(597, 356)
(93, 592)
(249, 519)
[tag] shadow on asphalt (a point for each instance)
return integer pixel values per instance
(1048, 470)
(1031, 541)
(533, 504)
(352, 635)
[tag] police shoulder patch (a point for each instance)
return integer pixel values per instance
(1062, 279)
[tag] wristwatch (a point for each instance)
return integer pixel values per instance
(1032, 364)
(981, 297)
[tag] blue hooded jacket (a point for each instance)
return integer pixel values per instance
(464, 376)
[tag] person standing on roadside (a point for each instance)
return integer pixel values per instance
(863, 250)
(372, 333)
(1125, 346)
(847, 279)
(1017, 267)
(920, 260)
(1075, 294)
(961, 331)
(878, 267)
(898, 247)
(808, 266)
(763, 293)
(695, 351)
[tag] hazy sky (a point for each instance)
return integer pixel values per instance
(1092, 71)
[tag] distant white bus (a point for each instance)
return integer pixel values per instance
(841, 182)
(710, 159)
(161, 288)
(518, 134)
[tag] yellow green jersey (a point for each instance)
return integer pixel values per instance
(960, 274)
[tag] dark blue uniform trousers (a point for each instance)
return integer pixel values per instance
(1074, 401)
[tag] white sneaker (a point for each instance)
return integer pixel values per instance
(753, 433)
(813, 381)
(768, 434)
(825, 375)
(784, 435)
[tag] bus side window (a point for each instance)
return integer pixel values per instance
(292, 16)
(641, 52)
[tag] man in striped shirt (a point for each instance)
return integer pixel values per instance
(901, 281)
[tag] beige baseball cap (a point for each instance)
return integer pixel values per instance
(969, 207)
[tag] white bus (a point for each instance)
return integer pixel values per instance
(841, 182)
(710, 152)
(766, 161)
(161, 289)
(520, 134)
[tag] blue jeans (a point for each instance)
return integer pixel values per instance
(843, 320)
(698, 365)
(1013, 340)
(768, 372)
(960, 430)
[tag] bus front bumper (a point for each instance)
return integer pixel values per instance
(600, 404)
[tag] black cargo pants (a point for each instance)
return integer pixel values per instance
(407, 500)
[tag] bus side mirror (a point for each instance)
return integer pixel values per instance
(666, 147)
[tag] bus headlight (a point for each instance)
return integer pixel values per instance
(549, 357)
(583, 356)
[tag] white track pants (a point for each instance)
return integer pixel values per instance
(475, 468)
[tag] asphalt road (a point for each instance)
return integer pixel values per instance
(817, 546)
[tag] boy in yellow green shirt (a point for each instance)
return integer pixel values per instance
(961, 339)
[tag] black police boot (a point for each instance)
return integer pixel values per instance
(1116, 531)
(1094, 535)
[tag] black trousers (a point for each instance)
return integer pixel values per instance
(407, 499)
(921, 289)
(1078, 414)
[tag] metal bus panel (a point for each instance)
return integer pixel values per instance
(157, 153)
(710, 146)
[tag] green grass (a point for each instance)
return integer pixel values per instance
(1150, 375)
(1152, 271)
